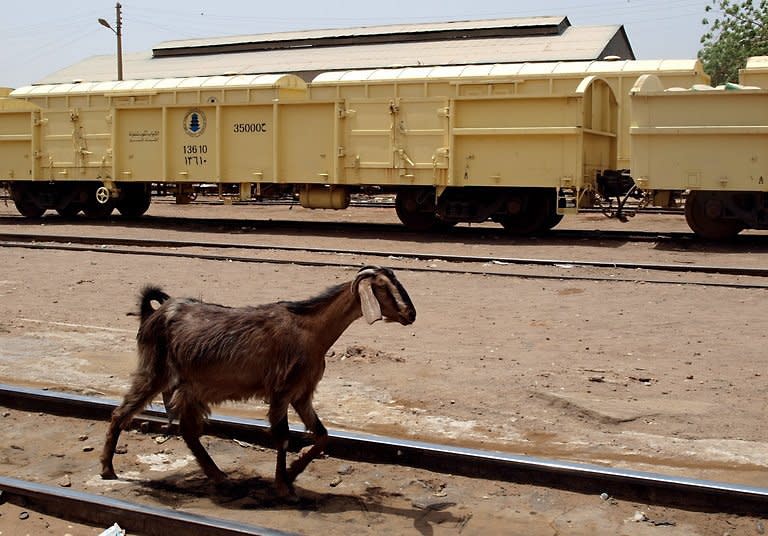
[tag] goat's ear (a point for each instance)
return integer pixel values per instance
(368, 302)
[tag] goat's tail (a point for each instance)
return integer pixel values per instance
(152, 374)
(149, 294)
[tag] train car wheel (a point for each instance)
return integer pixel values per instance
(134, 201)
(69, 211)
(554, 219)
(531, 212)
(416, 209)
(29, 209)
(23, 199)
(96, 211)
(702, 211)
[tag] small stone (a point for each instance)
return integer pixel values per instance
(24, 515)
(87, 448)
(604, 496)
(760, 527)
(83, 438)
(345, 469)
(121, 449)
(336, 481)
(161, 439)
(639, 517)
(64, 482)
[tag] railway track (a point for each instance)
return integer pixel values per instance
(362, 229)
(654, 488)
(117, 245)
(97, 510)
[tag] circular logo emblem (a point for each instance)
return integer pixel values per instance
(194, 123)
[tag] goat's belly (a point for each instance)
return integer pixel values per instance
(218, 388)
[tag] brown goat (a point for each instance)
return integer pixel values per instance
(206, 354)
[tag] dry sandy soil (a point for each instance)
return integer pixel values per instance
(602, 368)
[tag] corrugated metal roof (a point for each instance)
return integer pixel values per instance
(395, 31)
(576, 43)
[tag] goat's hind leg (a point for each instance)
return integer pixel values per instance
(278, 421)
(191, 428)
(142, 391)
(312, 422)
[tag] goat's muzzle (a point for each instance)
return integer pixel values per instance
(405, 317)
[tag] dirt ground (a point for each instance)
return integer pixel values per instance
(602, 368)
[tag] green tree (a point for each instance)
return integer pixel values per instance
(738, 31)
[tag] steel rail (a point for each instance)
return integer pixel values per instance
(13, 239)
(458, 271)
(581, 477)
(164, 222)
(97, 510)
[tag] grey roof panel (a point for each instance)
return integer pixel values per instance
(574, 44)
(389, 32)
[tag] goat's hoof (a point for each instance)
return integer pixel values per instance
(108, 474)
(285, 492)
(218, 478)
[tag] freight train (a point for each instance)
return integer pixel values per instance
(518, 144)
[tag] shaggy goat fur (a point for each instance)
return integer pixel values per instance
(204, 354)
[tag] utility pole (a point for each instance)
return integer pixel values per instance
(118, 31)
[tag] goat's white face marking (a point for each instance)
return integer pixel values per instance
(368, 302)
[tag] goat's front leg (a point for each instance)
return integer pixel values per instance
(310, 419)
(278, 421)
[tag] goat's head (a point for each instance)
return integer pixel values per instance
(382, 296)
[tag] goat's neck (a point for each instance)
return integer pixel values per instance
(335, 317)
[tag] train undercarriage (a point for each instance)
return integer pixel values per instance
(91, 198)
(520, 211)
(714, 215)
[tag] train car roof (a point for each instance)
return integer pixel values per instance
(307, 54)
(287, 81)
(578, 68)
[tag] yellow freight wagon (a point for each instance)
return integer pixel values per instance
(710, 142)
(100, 145)
(460, 146)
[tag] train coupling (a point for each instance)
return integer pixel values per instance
(618, 185)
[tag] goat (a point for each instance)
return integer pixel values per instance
(202, 354)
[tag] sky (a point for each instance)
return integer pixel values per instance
(39, 37)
